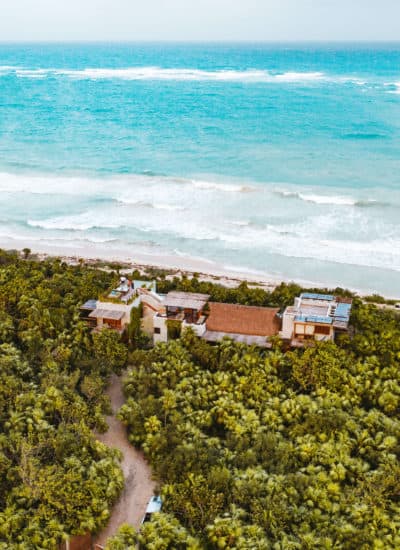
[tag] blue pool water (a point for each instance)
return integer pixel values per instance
(278, 159)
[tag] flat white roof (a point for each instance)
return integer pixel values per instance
(186, 300)
(113, 314)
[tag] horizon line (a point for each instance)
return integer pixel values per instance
(201, 41)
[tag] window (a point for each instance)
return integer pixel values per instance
(322, 330)
(157, 330)
(113, 323)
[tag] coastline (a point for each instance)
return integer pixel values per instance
(205, 270)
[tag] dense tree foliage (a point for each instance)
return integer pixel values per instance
(261, 450)
(253, 449)
(245, 293)
(56, 479)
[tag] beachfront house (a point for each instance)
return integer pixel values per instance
(113, 310)
(315, 317)
(213, 321)
(248, 324)
(180, 310)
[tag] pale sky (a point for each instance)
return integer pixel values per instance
(131, 20)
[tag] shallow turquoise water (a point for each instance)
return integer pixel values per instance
(282, 159)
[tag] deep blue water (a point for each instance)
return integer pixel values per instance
(281, 159)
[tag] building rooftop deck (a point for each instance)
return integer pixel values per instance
(316, 296)
(89, 305)
(101, 313)
(319, 319)
(186, 300)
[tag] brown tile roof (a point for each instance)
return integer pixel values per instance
(237, 319)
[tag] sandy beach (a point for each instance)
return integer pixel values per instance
(176, 265)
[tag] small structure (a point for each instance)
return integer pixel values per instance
(86, 309)
(114, 309)
(248, 324)
(187, 309)
(154, 505)
(317, 317)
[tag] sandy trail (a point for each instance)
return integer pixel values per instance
(139, 486)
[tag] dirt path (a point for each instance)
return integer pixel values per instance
(139, 486)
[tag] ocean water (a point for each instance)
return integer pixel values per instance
(280, 160)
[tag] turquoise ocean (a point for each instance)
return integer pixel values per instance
(273, 159)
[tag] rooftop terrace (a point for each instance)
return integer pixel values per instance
(322, 309)
(186, 300)
(127, 291)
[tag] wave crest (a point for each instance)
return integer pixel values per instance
(334, 200)
(180, 74)
(82, 222)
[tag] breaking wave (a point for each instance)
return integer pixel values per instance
(81, 222)
(335, 200)
(211, 219)
(179, 74)
(156, 206)
(124, 189)
(314, 238)
(226, 187)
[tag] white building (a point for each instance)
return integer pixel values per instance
(182, 309)
(315, 317)
(114, 309)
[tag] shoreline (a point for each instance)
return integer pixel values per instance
(205, 270)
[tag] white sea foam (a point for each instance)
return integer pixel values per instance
(197, 215)
(311, 239)
(300, 77)
(315, 240)
(169, 207)
(181, 74)
(50, 185)
(320, 199)
(157, 206)
(158, 73)
(33, 73)
(80, 222)
(241, 223)
(334, 200)
(8, 68)
(326, 199)
(218, 186)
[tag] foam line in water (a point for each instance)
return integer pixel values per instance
(217, 186)
(334, 200)
(121, 188)
(81, 222)
(180, 74)
(314, 239)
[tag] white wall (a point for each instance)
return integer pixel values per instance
(287, 326)
(161, 323)
(198, 329)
